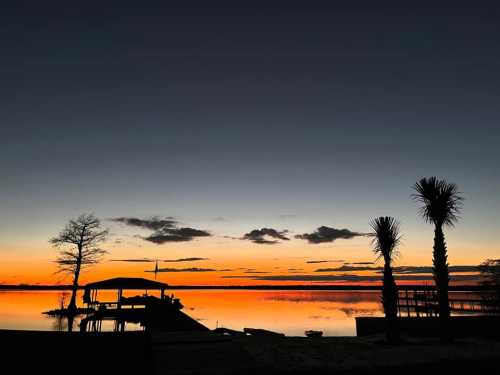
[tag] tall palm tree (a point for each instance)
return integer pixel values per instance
(386, 239)
(441, 203)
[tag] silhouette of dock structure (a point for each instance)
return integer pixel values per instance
(160, 313)
(424, 303)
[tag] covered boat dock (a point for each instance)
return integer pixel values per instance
(161, 313)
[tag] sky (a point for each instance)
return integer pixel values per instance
(228, 119)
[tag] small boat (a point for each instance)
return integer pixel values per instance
(314, 333)
(262, 332)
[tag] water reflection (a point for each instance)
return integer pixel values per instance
(290, 312)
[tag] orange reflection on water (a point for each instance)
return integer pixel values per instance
(290, 312)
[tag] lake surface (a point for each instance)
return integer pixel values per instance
(290, 312)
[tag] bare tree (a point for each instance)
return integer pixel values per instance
(78, 247)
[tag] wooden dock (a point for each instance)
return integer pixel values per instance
(424, 303)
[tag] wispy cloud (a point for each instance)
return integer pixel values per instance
(138, 260)
(325, 261)
(266, 236)
(326, 234)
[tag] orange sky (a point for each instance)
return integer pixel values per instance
(34, 264)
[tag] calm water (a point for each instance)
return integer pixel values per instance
(290, 312)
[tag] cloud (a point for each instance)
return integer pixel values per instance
(426, 269)
(324, 261)
(266, 236)
(176, 235)
(401, 270)
(347, 268)
(326, 234)
(346, 278)
(192, 259)
(164, 230)
(193, 269)
(362, 263)
(138, 260)
(154, 223)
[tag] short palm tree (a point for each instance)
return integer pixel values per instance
(386, 239)
(441, 204)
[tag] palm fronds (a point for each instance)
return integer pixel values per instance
(441, 201)
(386, 237)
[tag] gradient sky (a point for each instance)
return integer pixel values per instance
(231, 119)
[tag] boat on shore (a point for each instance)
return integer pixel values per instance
(313, 334)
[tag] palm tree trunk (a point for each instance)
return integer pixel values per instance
(389, 301)
(442, 279)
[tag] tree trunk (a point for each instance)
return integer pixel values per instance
(389, 301)
(442, 279)
(74, 289)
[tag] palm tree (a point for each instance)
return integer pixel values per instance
(441, 204)
(386, 239)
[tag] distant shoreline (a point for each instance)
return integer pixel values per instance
(258, 287)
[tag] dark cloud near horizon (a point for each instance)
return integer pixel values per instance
(361, 263)
(326, 234)
(164, 230)
(192, 259)
(346, 278)
(428, 269)
(324, 261)
(347, 268)
(266, 236)
(193, 269)
(401, 270)
(149, 260)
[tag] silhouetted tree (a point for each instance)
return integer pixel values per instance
(78, 246)
(441, 203)
(490, 272)
(386, 239)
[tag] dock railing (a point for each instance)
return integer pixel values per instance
(413, 302)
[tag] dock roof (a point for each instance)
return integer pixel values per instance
(126, 283)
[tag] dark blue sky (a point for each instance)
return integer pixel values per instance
(325, 113)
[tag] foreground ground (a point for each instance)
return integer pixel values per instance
(206, 353)
(335, 355)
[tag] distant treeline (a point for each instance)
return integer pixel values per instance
(263, 287)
